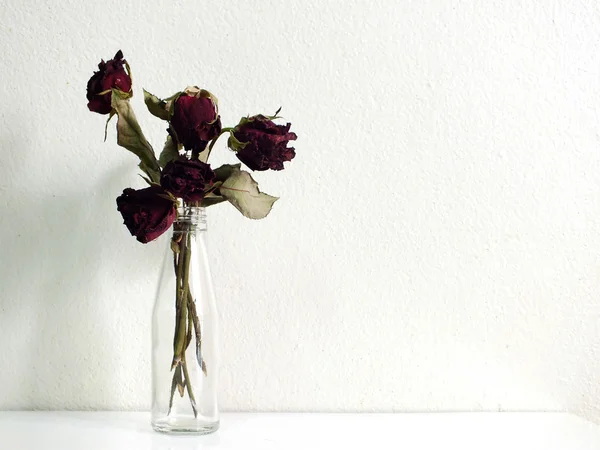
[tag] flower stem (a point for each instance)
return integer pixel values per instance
(184, 320)
(188, 385)
(177, 383)
(193, 314)
(179, 298)
(188, 337)
(214, 141)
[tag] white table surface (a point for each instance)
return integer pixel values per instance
(248, 431)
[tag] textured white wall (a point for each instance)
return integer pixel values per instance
(436, 245)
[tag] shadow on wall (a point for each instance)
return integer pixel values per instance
(53, 323)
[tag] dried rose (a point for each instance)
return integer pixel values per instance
(187, 178)
(195, 120)
(147, 213)
(261, 144)
(112, 75)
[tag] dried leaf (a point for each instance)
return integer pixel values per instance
(131, 137)
(169, 152)
(225, 171)
(110, 116)
(156, 106)
(170, 102)
(210, 201)
(147, 180)
(234, 144)
(242, 192)
(204, 154)
(153, 174)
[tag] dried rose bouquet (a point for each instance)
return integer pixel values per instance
(181, 178)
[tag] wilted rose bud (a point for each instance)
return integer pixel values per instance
(187, 178)
(195, 120)
(147, 213)
(261, 144)
(111, 75)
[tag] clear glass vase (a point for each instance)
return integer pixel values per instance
(184, 333)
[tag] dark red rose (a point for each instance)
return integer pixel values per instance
(261, 144)
(111, 75)
(195, 119)
(187, 178)
(146, 214)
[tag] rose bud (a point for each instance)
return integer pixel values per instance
(195, 119)
(187, 178)
(112, 75)
(147, 213)
(261, 144)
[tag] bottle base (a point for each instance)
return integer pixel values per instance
(189, 427)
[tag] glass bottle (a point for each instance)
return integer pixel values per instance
(184, 333)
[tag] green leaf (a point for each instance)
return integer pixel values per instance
(131, 137)
(225, 171)
(169, 153)
(242, 192)
(156, 106)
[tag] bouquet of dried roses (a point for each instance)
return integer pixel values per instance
(181, 182)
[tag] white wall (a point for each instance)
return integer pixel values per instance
(436, 245)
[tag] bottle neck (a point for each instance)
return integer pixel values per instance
(190, 218)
